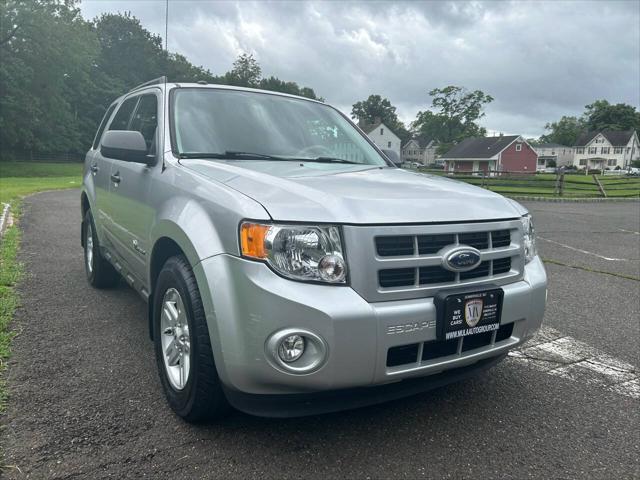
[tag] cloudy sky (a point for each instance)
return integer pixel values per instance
(539, 60)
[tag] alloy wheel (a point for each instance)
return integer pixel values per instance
(175, 340)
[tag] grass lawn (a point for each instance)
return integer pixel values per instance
(10, 272)
(543, 185)
(18, 179)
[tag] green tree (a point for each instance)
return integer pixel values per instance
(46, 68)
(377, 107)
(565, 131)
(602, 115)
(276, 85)
(179, 69)
(59, 72)
(310, 93)
(456, 112)
(128, 52)
(246, 72)
(461, 108)
(430, 125)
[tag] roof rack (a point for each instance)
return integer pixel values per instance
(155, 81)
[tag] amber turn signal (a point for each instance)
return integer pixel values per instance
(252, 240)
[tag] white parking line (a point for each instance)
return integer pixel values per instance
(563, 356)
(629, 231)
(582, 251)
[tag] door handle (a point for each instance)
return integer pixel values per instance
(115, 178)
(94, 168)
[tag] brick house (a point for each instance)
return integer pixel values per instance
(505, 153)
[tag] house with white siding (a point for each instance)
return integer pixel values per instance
(606, 150)
(381, 135)
(547, 152)
(421, 150)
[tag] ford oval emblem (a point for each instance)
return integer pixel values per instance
(462, 259)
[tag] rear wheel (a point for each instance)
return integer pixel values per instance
(183, 348)
(100, 273)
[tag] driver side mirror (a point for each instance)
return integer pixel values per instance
(126, 145)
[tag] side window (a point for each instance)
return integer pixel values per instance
(145, 119)
(103, 123)
(121, 120)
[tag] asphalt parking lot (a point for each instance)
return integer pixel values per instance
(86, 401)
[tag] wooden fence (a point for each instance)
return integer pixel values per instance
(540, 184)
(71, 157)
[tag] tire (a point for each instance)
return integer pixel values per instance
(100, 273)
(184, 356)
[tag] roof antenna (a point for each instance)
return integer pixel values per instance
(164, 92)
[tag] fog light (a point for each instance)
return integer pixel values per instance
(291, 348)
(296, 351)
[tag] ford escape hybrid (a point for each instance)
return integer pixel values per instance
(289, 267)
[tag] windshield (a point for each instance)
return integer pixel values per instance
(237, 125)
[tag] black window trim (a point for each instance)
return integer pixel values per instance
(156, 93)
(137, 95)
(106, 121)
(113, 117)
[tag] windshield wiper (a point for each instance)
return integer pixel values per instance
(328, 160)
(235, 155)
(232, 155)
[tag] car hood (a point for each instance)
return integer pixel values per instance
(355, 194)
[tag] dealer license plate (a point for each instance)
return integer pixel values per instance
(472, 313)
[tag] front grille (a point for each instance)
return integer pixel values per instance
(394, 246)
(397, 262)
(479, 240)
(416, 246)
(501, 265)
(397, 277)
(428, 244)
(405, 245)
(408, 354)
(481, 270)
(405, 277)
(431, 275)
(500, 238)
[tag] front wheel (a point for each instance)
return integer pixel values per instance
(182, 345)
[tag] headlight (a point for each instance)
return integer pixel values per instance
(299, 252)
(530, 250)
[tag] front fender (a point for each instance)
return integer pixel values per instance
(189, 235)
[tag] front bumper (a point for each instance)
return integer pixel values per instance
(303, 404)
(246, 303)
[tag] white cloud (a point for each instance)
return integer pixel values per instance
(540, 60)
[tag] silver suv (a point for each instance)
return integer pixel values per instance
(289, 268)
